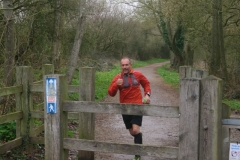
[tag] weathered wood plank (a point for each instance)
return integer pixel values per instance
(189, 119)
(38, 82)
(235, 116)
(226, 112)
(18, 99)
(231, 126)
(37, 140)
(36, 87)
(40, 114)
(10, 145)
(115, 108)
(210, 121)
(10, 90)
(73, 89)
(185, 72)
(226, 142)
(73, 115)
(39, 107)
(24, 77)
(86, 120)
(36, 131)
(11, 117)
(119, 148)
(39, 88)
(37, 114)
(199, 73)
(147, 110)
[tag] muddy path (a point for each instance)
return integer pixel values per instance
(156, 130)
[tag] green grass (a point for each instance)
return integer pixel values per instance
(234, 104)
(103, 80)
(170, 76)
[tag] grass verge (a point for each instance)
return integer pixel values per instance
(169, 76)
(172, 77)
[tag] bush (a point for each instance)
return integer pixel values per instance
(7, 131)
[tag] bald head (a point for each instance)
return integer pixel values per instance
(126, 65)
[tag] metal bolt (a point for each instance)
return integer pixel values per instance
(205, 127)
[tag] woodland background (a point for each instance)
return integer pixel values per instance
(73, 33)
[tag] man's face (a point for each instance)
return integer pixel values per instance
(125, 65)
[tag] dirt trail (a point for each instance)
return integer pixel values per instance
(156, 130)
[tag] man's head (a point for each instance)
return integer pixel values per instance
(126, 65)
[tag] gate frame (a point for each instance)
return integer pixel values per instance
(197, 138)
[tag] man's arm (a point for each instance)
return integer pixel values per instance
(114, 86)
(147, 90)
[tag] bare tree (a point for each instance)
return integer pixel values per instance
(222, 48)
(215, 54)
(57, 34)
(9, 42)
(77, 42)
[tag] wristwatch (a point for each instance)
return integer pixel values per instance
(148, 93)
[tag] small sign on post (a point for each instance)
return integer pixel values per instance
(234, 152)
(51, 94)
(55, 120)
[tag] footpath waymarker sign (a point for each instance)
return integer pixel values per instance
(51, 94)
(234, 152)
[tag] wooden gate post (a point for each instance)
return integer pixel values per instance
(226, 112)
(24, 77)
(55, 120)
(199, 73)
(189, 119)
(47, 69)
(185, 72)
(86, 120)
(211, 119)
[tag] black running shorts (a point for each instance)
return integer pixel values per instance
(132, 119)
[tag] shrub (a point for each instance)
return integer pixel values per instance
(8, 131)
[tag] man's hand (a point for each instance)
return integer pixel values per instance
(146, 99)
(119, 82)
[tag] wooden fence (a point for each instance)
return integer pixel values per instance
(228, 122)
(200, 117)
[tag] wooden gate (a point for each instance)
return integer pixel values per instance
(200, 117)
(200, 114)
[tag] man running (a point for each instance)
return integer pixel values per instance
(128, 83)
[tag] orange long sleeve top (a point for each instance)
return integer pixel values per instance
(130, 91)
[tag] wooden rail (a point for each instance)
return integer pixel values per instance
(10, 90)
(10, 145)
(120, 148)
(115, 108)
(40, 88)
(36, 88)
(10, 117)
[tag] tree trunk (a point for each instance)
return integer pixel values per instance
(222, 50)
(77, 43)
(179, 59)
(9, 43)
(188, 55)
(215, 55)
(57, 34)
